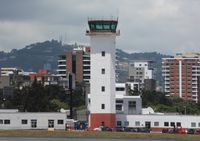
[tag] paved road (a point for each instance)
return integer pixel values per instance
(67, 139)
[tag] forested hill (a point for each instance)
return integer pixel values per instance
(35, 56)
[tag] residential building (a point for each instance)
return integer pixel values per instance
(149, 84)
(8, 71)
(143, 71)
(140, 70)
(47, 78)
(182, 76)
(76, 62)
(11, 78)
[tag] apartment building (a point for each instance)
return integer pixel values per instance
(142, 72)
(182, 76)
(77, 62)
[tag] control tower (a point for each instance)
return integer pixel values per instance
(102, 83)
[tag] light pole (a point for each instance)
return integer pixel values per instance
(70, 93)
(185, 109)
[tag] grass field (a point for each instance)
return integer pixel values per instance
(95, 134)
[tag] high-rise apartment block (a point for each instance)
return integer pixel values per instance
(182, 76)
(76, 62)
(142, 71)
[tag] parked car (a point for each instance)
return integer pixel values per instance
(119, 129)
(144, 130)
(197, 132)
(131, 129)
(190, 131)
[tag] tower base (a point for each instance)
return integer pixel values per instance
(97, 120)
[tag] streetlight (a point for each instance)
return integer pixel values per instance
(185, 109)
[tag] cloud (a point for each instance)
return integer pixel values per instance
(166, 26)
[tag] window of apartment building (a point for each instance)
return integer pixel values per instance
(119, 123)
(156, 123)
(119, 101)
(24, 121)
(193, 124)
(102, 71)
(102, 106)
(60, 121)
(199, 124)
(137, 123)
(103, 53)
(131, 107)
(119, 107)
(6, 121)
(120, 89)
(34, 123)
(51, 123)
(132, 104)
(166, 123)
(103, 88)
(1, 121)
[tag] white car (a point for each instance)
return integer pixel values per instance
(103, 128)
(98, 128)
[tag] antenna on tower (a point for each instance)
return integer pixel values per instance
(60, 39)
(117, 13)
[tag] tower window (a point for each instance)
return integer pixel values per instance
(102, 106)
(103, 71)
(103, 88)
(103, 53)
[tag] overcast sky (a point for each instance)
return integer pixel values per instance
(165, 26)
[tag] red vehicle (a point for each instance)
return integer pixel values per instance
(197, 132)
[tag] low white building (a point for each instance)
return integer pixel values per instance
(29, 120)
(125, 103)
(159, 122)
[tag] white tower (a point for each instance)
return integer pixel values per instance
(102, 84)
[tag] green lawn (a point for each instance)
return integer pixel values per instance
(95, 134)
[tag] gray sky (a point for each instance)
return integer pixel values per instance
(165, 26)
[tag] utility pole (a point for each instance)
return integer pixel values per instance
(71, 77)
(70, 93)
(185, 110)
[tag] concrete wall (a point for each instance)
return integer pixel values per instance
(4, 81)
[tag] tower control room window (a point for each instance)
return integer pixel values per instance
(103, 53)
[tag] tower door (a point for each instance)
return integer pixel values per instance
(148, 124)
(51, 123)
